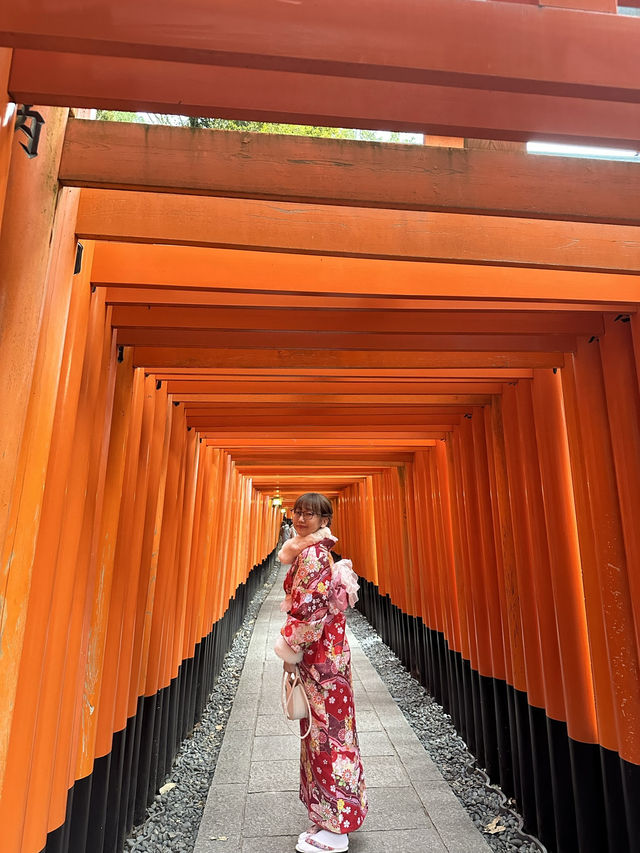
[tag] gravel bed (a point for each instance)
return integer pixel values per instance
(486, 804)
(175, 814)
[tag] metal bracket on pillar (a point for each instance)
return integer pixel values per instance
(77, 267)
(30, 123)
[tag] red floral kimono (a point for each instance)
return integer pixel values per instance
(331, 777)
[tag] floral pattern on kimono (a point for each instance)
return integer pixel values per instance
(332, 785)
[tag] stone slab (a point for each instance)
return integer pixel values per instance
(274, 775)
(385, 771)
(269, 813)
(423, 840)
(375, 743)
(274, 724)
(395, 808)
(275, 747)
(234, 759)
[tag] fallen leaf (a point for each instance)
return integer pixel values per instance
(492, 827)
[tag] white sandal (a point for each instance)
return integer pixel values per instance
(312, 845)
(313, 828)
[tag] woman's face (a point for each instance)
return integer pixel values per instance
(306, 522)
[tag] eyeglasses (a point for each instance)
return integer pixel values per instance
(304, 515)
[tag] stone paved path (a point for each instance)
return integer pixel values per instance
(253, 804)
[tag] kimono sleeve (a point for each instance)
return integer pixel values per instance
(309, 599)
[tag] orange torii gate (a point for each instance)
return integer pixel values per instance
(444, 340)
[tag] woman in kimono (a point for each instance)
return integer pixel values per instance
(313, 638)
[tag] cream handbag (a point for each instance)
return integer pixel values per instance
(295, 702)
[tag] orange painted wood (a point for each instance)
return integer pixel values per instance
(504, 548)
(103, 556)
(29, 215)
(180, 388)
(405, 322)
(538, 552)
(623, 405)
(437, 41)
(605, 566)
(126, 568)
(531, 640)
(351, 399)
(349, 422)
(156, 426)
(185, 574)
(72, 573)
(344, 341)
(35, 316)
(50, 606)
(164, 357)
(468, 644)
(564, 556)
(44, 608)
(194, 267)
(441, 497)
(143, 491)
(122, 83)
(291, 433)
(496, 627)
(166, 296)
(159, 666)
(311, 170)
(346, 374)
(354, 232)
(150, 672)
(7, 121)
(400, 443)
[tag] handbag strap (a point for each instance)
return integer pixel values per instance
(283, 697)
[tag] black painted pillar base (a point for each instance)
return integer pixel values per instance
(576, 797)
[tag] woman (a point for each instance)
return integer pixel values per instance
(313, 638)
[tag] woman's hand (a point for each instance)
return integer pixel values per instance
(289, 667)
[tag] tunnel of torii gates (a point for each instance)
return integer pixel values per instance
(444, 339)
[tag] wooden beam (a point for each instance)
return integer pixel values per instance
(359, 322)
(345, 399)
(193, 267)
(331, 458)
(451, 42)
(407, 374)
(167, 356)
(142, 85)
(175, 296)
(337, 432)
(297, 342)
(117, 156)
(316, 443)
(355, 232)
(317, 386)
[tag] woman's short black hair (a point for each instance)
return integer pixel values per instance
(315, 502)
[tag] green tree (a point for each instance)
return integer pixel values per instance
(246, 126)
(116, 115)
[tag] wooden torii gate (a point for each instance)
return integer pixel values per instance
(442, 339)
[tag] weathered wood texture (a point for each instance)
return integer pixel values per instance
(345, 172)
